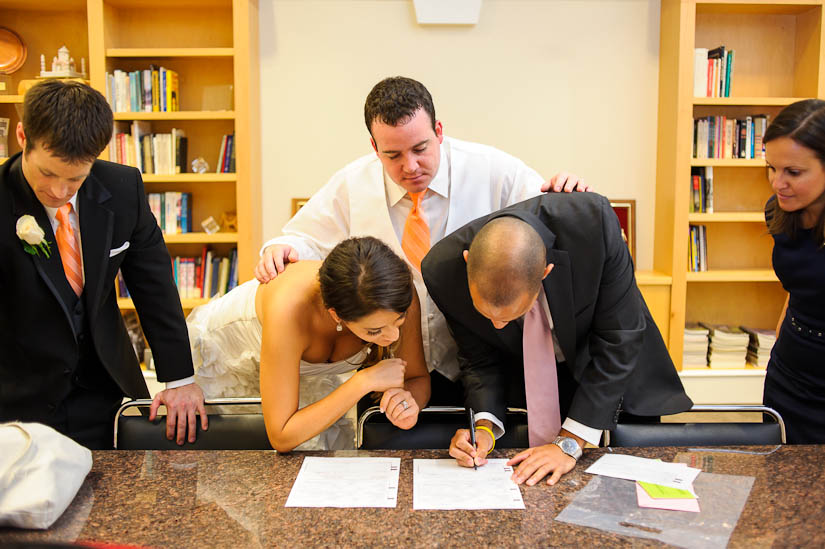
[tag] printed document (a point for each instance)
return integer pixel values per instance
(346, 482)
(443, 484)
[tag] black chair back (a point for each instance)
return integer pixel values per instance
(769, 432)
(436, 426)
(227, 431)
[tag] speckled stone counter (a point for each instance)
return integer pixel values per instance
(236, 499)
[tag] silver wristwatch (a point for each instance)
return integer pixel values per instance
(569, 446)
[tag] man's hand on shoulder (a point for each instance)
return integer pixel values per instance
(181, 405)
(565, 182)
(273, 262)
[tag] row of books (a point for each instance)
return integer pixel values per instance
(722, 137)
(151, 153)
(172, 210)
(155, 89)
(701, 189)
(698, 249)
(722, 346)
(206, 276)
(712, 72)
(226, 155)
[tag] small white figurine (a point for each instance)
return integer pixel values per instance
(63, 66)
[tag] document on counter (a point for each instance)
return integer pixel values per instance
(674, 475)
(443, 484)
(346, 482)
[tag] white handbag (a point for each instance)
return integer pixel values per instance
(41, 471)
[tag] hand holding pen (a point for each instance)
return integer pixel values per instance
(469, 450)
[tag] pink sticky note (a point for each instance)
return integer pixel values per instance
(644, 500)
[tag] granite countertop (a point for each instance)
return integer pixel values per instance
(236, 499)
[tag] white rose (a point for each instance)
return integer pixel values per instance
(29, 230)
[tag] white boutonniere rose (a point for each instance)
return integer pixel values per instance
(32, 236)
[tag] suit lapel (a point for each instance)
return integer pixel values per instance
(558, 286)
(96, 223)
(50, 269)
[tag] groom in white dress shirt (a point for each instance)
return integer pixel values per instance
(458, 182)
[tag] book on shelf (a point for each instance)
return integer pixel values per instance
(701, 189)
(697, 248)
(695, 352)
(172, 210)
(712, 72)
(153, 89)
(722, 137)
(226, 155)
(760, 344)
(151, 153)
(727, 346)
(206, 275)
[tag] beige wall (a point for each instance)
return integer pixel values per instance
(564, 85)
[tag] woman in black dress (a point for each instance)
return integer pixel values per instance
(795, 215)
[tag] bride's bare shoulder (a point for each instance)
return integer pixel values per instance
(290, 292)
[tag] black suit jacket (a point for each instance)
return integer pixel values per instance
(614, 353)
(38, 342)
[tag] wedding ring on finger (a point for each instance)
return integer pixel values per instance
(405, 404)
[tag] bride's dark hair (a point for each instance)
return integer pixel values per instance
(363, 275)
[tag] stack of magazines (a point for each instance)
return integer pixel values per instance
(728, 346)
(695, 352)
(759, 347)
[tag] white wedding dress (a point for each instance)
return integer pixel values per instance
(225, 337)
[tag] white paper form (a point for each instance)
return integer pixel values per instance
(675, 475)
(443, 484)
(346, 482)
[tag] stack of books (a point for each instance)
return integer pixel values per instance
(701, 189)
(695, 352)
(728, 346)
(151, 153)
(172, 210)
(759, 346)
(712, 72)
(226, 155)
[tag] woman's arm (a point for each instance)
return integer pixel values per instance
(416, 376)
(782, 315)
(283, 344)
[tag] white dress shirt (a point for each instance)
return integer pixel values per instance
(473, 180)
(74, 219)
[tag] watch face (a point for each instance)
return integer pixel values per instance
(569, 446)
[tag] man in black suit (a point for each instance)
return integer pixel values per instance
(68, 222)
(565, 250)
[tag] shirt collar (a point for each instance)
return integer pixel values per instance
(52, 212)
(439, 185)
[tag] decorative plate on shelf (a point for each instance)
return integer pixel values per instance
(12, 51)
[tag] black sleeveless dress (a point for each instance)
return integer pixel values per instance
(795, 380)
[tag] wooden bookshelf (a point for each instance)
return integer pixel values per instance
(127, 304)
(779, 60)
(210, 43)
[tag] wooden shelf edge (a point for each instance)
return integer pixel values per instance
(653, 278)
(126, 304)
(11, 99)
(727, 217)
(3, 160)
(728, 162)
(722, 372)
(733, 275)
(201, 238)
(176, 115)
(170, 52)
(190, 178)
(746, 101)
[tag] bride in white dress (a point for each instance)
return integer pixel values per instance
(296, 340)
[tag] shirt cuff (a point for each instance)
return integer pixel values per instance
(498, 426)
(180, 382)
(589, 434)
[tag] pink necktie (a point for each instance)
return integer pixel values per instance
(541, 384)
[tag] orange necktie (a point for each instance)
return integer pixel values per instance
(69, 249)
(416, 238)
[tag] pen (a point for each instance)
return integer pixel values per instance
(472, 432)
